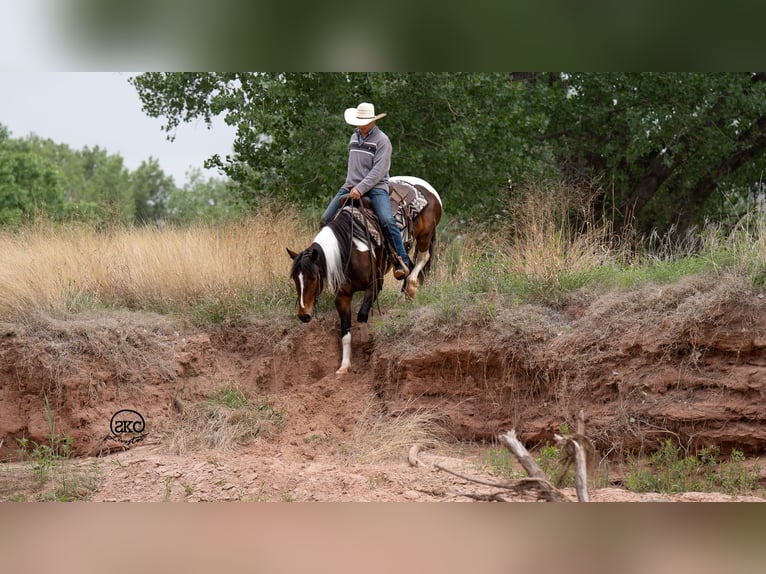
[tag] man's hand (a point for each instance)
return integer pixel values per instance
(354, 193)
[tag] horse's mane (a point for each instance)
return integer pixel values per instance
(335, 242)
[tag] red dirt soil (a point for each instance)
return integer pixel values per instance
(701, 383)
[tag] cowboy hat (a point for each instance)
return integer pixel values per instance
(361, 115)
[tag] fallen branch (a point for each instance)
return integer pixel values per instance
(575, 452)
(546, 490)
(578, 450)
(472, 479)
(492, 497)
(517, 449)
(412, 456)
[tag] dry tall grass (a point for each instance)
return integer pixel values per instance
(227, 419)
(379, 438)
(553, 228)
(59, 268)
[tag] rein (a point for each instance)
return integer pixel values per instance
(373, 267)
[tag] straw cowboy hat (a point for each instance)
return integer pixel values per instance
(361, 115)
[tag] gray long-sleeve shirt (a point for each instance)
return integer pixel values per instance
(369, 161)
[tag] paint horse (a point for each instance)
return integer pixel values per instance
(344, 260)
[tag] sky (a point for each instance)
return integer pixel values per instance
(102, 109)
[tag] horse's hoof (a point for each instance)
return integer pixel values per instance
(342, 371)
(411, 290)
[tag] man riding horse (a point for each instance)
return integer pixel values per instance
(369, 160)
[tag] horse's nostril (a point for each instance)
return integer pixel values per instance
(305, 317)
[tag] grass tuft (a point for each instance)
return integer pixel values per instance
(378, 437)
(670, 470)
(47, 471)
(228, 418)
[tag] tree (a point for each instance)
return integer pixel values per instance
(202, 199)
(152, 190)
(28, 182)
(97, 186)
(466, 133)
(107, 184)
(669, 148)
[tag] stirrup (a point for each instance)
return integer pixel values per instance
(401, 272)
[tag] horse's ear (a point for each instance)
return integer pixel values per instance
(291, 253)
(314, 255)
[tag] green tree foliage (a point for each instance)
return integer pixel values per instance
(466, 133)
(666, 148)
(107, 185)
(41, 177)
(96, 184)
(202, 199)
(669, 148)
(29, 183)
(152, 190)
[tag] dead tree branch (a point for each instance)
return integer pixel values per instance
(546, 491)
(577, 449)
(517, 449)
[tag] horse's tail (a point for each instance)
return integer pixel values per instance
(431, 255)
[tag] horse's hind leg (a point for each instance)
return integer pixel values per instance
(421, 259)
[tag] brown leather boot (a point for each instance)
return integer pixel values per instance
(401, 271)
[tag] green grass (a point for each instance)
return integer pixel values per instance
(226, 418)
(499, 462)
(669, 470)
(229, 396)
(48, 472)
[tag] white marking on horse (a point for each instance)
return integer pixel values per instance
(345, 362)
(300, 281)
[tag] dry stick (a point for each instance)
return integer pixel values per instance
(472, 479)
(581, 468)
(517, 449)
(577, 452)
(581, 473)
(412, 456)
(519, 486)
(547, 490)
(492, 497)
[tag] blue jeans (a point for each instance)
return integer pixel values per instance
(381, 205)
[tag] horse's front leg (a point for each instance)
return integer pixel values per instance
(370, 295)
(343, 305)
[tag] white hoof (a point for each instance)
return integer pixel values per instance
(342, 371)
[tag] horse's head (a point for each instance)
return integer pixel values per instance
(308, 281)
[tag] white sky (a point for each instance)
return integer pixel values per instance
(102, 109)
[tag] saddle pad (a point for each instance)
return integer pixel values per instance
(371, 223)
(405, 213)
(404, 194)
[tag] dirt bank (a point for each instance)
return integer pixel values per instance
(686, 361)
